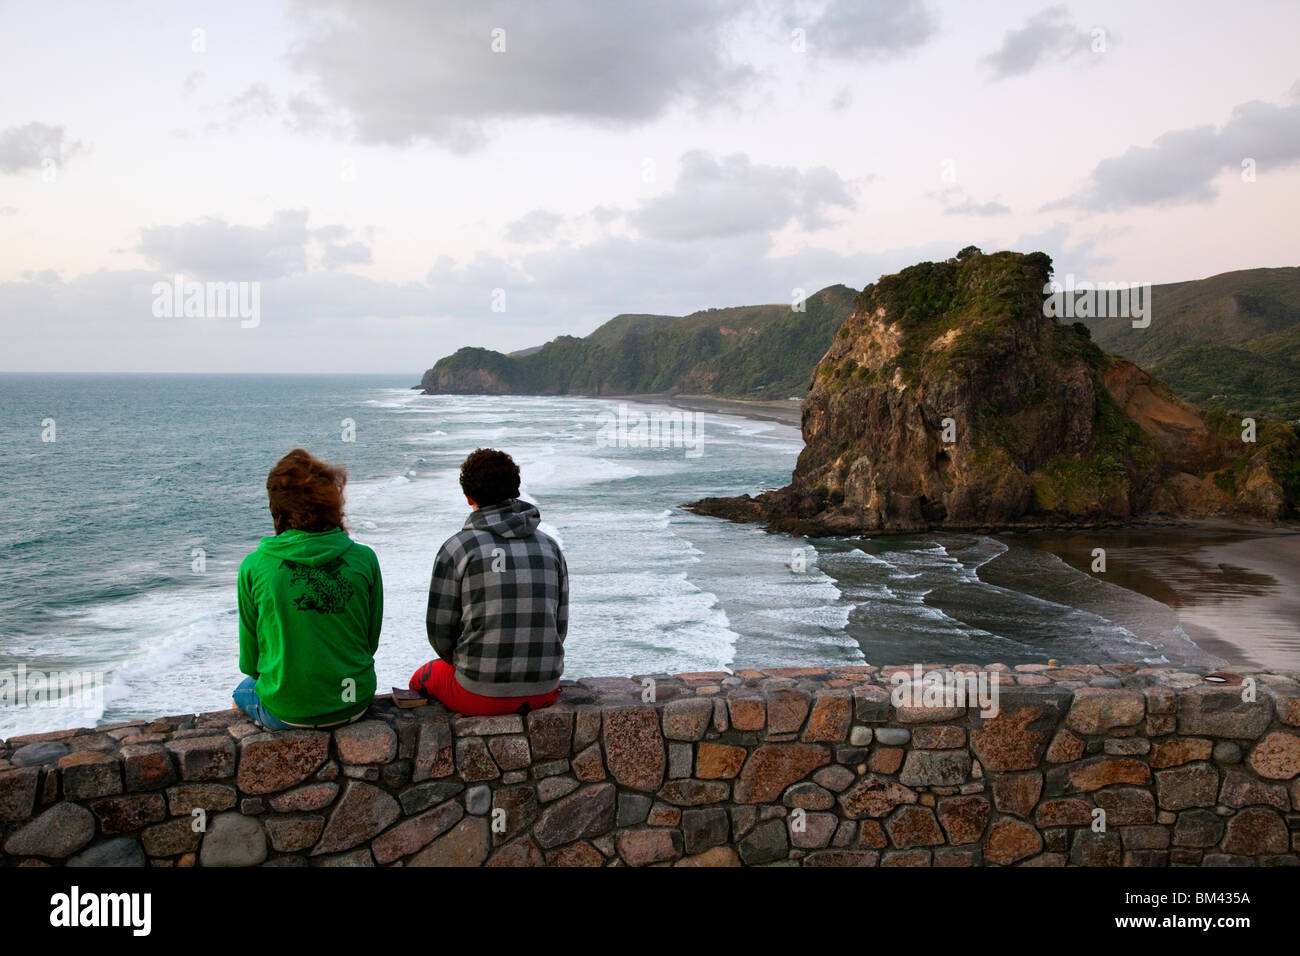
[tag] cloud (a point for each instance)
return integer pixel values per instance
(536, 226)
(32, 145)
(854, 28)
(214, 249)
(256, 102)
(402, 73)
(1047, 35)
(387, 325)
(1080, 256)
(1180, 166)
(603, 215)
(957, 202)
(735, 196)
(337, 255)
(306, 114)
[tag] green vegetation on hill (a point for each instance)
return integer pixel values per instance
(1230, 342)
(1234, 380)
(1282, 346)
(760, 352)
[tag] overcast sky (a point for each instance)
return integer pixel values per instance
(393, 175)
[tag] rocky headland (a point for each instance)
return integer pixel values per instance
(950, 399)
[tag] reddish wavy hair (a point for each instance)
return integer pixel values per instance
(306, 493)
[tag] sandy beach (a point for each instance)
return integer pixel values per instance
(1262, 618)
(1234, 587)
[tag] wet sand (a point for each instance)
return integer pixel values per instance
(1235, 587)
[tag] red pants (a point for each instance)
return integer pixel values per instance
(437, 679)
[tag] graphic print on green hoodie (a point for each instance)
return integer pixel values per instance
(310, 608)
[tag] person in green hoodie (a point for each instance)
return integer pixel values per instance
(311, 602)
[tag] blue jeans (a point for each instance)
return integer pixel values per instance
(246, 698)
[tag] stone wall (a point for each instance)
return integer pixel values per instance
(785, 767)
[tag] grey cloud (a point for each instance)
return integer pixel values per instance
(256, 102)
(330, 233)
(852, 28)
(571, 289)
(215, 249)
(971, 208)
(308, 115)
(1048, 34)
(337, 255)
(536, 226)
(29, 146)
(603, 215)
(1078, 256)
(408, 72)
(1180, 166)
(735, 196)
(360, 323)
(957, 202)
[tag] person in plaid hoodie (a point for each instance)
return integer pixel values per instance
(498, 601)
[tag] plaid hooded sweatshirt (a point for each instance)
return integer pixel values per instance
(499, 603)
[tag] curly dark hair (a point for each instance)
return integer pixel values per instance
(305, 493)
(489, 477)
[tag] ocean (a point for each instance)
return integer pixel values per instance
(129, 501)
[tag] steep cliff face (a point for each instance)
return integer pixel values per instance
(949, 399)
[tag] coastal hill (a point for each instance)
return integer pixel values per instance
(757, 352)
(949, 399)
(1230, 342)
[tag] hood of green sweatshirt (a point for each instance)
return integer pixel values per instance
(513, 518)
(312, 548)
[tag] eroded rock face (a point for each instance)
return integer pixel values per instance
(465, 381)
(948, 399)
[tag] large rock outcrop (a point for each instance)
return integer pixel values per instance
(950, 399)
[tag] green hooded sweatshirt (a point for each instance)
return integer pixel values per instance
(310, 608)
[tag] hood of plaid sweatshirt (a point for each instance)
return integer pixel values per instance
(512, 518)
